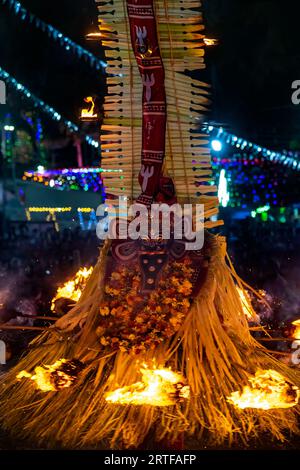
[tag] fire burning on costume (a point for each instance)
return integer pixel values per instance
(246, 305)
(158, 387)
(267, 390)
(296, 332)
(73, 289)
(51, 378)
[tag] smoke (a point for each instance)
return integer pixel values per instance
(15, 298)
(286, 289)
(6, 294)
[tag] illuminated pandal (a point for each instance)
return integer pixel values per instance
(158, 387)
(267, 390)
(73, 289)
(51, 378)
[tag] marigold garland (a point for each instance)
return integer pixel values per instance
(144, 322)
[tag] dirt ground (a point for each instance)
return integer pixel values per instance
(9, 443)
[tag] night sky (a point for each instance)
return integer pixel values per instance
(251, 70)
(254, 66)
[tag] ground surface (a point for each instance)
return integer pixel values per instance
(8, 443)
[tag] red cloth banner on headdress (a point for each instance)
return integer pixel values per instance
(146, 49)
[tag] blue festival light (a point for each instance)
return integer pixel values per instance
(216, 145)
(221, 137)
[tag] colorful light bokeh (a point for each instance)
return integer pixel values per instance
(85, 179)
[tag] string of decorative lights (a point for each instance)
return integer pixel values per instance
(53, 33)
(87, 217)
(49, 209)
(219, 135)
(38, 103)
(253, 181)
(86, 179)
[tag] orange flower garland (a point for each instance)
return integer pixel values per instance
(133, 322)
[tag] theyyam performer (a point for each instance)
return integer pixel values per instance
(158, 346)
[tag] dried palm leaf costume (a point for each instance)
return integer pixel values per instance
(150, 303)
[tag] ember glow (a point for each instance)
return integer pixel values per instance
(73, 289)
(61, 374)
(158, 387)
(267, 390)
(296, 333)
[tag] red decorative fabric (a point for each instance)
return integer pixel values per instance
(145, 45)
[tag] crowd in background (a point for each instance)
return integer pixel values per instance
(34, 261)
(45, 258)
(43, 252)
(39, 258)
(261, 250)
(267, 256)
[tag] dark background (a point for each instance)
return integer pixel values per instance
(254, 66)
(251, 70)
(41, 64)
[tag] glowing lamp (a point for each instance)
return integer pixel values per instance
(210, 42)
(9, 128)
(97, 36)
(216, 145)
(88, 113)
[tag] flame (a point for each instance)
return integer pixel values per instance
(159, 387)
(267, 390)
(296, 333)
(73, 289)
(210, 41)
(88, 113)
(246, 305)
(92, 36)
(53, 377)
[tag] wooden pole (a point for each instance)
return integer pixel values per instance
(40, 317)
(277, 339)
(17, 327)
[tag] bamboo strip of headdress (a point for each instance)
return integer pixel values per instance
(187, 158)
